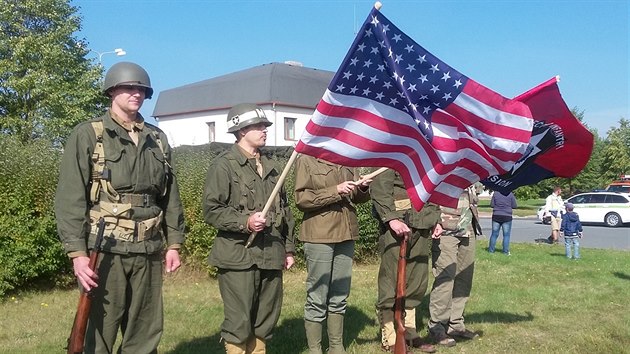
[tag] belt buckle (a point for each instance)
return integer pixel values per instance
(145, 200)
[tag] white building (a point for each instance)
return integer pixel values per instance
(196, 114)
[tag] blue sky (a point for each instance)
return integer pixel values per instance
(507, 45)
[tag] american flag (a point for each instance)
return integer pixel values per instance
(393, 104)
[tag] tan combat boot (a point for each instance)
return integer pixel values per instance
(313, 336)
(233, 348)
(256, 345)
(388, 332)
(335, 333)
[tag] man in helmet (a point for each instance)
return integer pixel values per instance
(117, 167)
(238, 184)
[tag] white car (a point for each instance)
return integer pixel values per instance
(610, 208)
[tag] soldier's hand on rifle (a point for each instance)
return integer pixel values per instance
(437, 231)
(399, 228)
(172, 260)
(256, 222)
(86, 276)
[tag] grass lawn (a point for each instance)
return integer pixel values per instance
(534, 301)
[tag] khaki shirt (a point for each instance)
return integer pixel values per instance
(232, 192)
(391, 201)
(141, 169)
(328, 216)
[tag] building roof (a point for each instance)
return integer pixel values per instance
(280, 83)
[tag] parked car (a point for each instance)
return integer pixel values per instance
(610, 208)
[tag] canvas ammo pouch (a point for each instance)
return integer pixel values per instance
(118, 222)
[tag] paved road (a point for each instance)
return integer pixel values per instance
(530, 229)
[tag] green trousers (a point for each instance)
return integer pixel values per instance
(417, 271)
(252, 299)
(128, 298)
(453, 268)
(328, 280)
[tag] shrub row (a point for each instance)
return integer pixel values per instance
(29, 246)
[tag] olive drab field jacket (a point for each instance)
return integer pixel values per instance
(232, 192)
(391, 201)
(147, 214)
(328, 216)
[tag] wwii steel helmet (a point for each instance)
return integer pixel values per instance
(126, 73)
(245, 114)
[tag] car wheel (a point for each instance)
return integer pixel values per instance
(612, 219)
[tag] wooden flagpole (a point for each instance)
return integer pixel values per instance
(275, 191)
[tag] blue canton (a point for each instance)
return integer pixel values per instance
(388, 67)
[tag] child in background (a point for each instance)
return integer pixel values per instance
(572, 229)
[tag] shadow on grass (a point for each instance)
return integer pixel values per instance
(498, 317)
(200, 345)
(621, 275)
(288, 337)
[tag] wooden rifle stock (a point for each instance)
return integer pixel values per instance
(399, 303)
(77, 335)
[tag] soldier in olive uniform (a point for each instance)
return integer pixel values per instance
(238, 184)
(398, 219)
(325, 192)
(453, 255)
(118, 167)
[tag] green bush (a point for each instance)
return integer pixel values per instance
(29, 248)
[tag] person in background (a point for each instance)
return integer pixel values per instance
(398, 219)
(238, 184)
(326, 193)
(502, 206)
(554, 207)
(118, 167)
(571, 227)
(453, 254)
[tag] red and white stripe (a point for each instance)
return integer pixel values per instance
(479, 135)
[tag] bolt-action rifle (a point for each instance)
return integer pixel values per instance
(77, 336)
(400, 346)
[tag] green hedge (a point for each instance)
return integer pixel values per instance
(30, 249)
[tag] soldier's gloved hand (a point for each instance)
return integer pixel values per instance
(86, 276)
(256, 222)
(399, 228)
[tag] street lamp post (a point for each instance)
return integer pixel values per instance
(118, 51)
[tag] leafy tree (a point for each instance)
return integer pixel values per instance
(590, 177)
(46, 84)
(616, 153)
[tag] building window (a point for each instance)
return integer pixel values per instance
(289, 128)
(211, 135)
